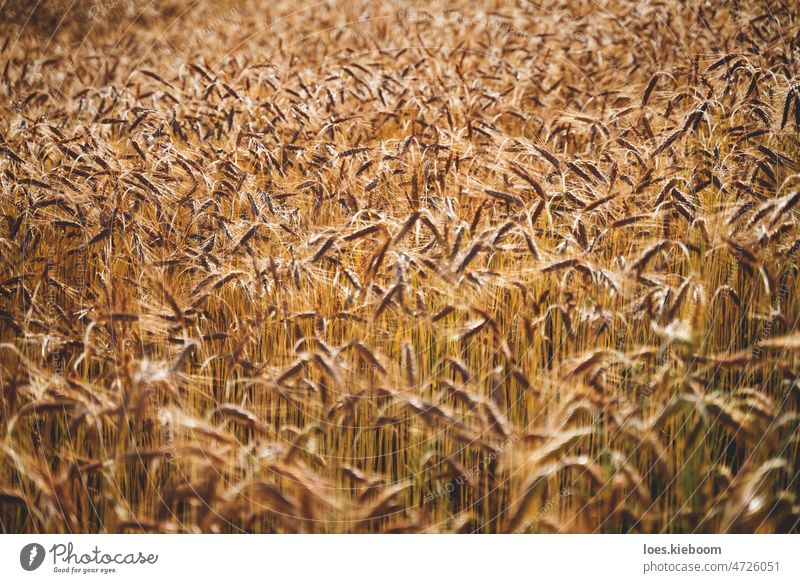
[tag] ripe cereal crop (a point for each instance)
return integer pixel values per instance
(397, 267)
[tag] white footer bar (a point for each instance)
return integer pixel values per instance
(400, 558)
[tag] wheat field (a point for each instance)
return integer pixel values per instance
(501, 267)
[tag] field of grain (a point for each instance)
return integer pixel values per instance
(399, 267)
